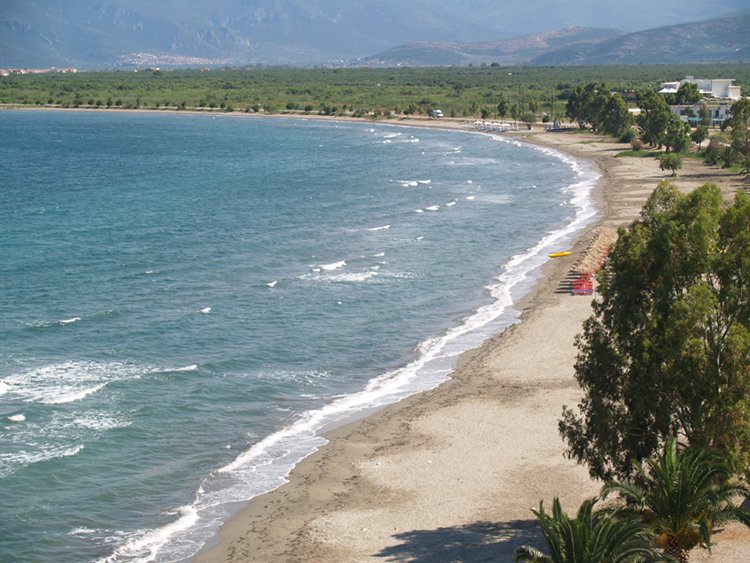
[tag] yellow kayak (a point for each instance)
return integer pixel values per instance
(560, 254)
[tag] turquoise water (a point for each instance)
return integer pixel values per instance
(185, 301)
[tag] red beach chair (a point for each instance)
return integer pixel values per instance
(583, 284)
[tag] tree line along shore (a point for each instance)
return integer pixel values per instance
(459, 92)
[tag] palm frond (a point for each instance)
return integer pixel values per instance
(529, 554)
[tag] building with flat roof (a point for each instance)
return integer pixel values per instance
(709, 87)
(717, 113)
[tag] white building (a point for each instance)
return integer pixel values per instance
(709, 87)
(717, 113)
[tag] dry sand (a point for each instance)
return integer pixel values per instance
(450, 475)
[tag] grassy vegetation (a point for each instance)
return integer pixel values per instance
(693, 155)
(639, 154)
(458, 91)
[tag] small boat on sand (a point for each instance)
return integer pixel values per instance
(560, 254)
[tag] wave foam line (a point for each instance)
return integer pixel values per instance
(355, 277)
(12, 462)
(332, 266)
(191, 367)
(66, 382)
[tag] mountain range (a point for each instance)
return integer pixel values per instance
(718, 40)
(107, 33)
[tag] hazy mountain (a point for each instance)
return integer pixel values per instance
(101, 32)
(516, 51)
(521, 17)
(91, 33)
(718, 40)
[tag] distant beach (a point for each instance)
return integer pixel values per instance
(451, 474)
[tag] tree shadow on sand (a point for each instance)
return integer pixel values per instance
(480, 541)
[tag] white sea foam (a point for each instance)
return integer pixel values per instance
(82, 532)
(424, 182)
(378, 255)
(419, 211)
(496, 199)
(392, 135)
(17, 418)
(432, 208)
(191, 367)
(353, 277)
(69, 321)
(450, 204)
(387, 142)
(100, 422)
(471, 197)
(67, 382)
(342, 277)
(145, 544)
(333, 266)
(383, 228)
(409, 183)
(273, 283)
(206, 310)
(4, 387)
(12, 461)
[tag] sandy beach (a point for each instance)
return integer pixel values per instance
(451, 474)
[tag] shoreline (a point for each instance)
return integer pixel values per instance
(453, 472)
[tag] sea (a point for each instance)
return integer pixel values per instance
(187, 302)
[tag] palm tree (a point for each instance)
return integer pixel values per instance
(592, 537)
(683, 497)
